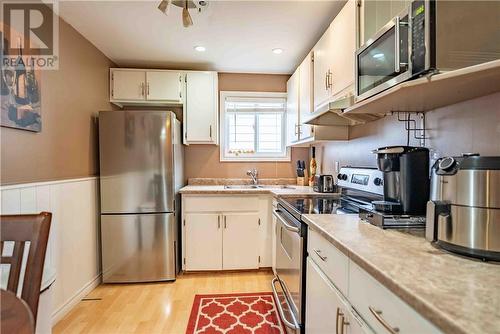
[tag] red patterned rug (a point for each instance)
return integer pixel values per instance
(238, 313)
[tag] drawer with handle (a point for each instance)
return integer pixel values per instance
(331, 261)
(385, 312)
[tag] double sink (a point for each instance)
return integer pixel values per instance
(257, 186)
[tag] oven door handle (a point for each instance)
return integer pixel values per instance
(295, 324)
(284, 223)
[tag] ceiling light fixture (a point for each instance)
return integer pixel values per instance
(277, 51)
(186, 17)
(200, 48)
(164, 7)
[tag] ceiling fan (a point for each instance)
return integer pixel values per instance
(187, 21)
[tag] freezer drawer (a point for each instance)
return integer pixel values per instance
(138, 248)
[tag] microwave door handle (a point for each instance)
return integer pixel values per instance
(397, 48)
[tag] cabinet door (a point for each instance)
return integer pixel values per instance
(163, 86)
(324, 305)
(305, 96)
(292, 107)
(321, 69)
(203, 237)
(201, 108)
(343, 42)
(128, 85)
(240, 241)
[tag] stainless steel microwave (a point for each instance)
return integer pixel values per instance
(428, 36)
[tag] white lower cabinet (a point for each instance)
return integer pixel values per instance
(327, 311)
(240, 240)
(224, 232)
(203, 240)
(341, 297)
(381, 308)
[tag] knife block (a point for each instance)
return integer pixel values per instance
(303, 180)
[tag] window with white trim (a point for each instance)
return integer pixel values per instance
(253, 126)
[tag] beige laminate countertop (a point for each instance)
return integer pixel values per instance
(292, 190)
(457, 294)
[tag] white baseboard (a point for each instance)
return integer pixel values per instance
(71, 303)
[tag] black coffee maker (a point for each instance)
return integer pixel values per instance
(406, 179)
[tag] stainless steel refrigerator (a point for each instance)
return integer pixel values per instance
(140, 175)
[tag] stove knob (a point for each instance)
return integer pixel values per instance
(339, 176)
(447, 164)
(342, 177)
(378, 181)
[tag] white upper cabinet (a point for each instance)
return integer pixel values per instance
(130, 86)
(164, 86)
(322, 64)
(305, 96)
(343, 47)
(127, 85)
(200, 108)
(334, 56)
(292, 108)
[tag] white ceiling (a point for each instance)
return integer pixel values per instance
(238, 35)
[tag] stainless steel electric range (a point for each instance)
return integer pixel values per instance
(359, 187)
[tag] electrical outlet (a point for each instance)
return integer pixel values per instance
(336, 167)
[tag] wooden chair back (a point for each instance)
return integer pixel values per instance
(21, 229)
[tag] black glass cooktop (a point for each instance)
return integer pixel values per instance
(315, 205)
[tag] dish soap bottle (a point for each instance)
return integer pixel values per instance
(312, 167)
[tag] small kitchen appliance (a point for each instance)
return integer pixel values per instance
(428, 36)
(324, 184)
(405, 179)
(463, 214)
(363, 189)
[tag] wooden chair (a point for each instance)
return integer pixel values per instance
(21, 229)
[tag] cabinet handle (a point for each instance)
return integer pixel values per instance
(142, 88)
(329, 79)
(147, 89)
(225, 225)
(342, 324)
(337, 320)
(326, 81)
(378, 315)
(218, 222)
(210, 130)
(318, 252)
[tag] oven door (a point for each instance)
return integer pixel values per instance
(383, 61)
(287, 285)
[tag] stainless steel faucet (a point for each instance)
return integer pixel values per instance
(253, 174)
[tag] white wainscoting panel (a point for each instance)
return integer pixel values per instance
(73, 249)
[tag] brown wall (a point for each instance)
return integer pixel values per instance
(471, 126)
(203, 160)
(71, 97)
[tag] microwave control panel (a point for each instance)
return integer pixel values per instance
(418, 32)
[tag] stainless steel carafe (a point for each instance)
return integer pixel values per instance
(463, 214)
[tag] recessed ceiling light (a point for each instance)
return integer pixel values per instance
(200, 48)
(277, 51)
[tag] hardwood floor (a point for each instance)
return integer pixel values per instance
(154, 307)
